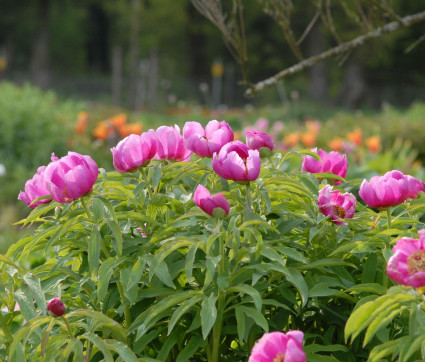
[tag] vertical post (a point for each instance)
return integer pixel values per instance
(116, 74)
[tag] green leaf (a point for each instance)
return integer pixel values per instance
(240, 323)
(385, 349)
(24, 298)
(410, 348)
(255, 315)
(164, 275)
(252, 292)
(34, 286)
(136, 273)
(362, 317)
(182, 309)
(105, 272)
(321, 290)
(296, 279)
(313, 348)
(190, 349)
(190, 259)
(168, 344)
(116, 232)
(124, 352)
(94, 251)
(208, 314)
(100, 344)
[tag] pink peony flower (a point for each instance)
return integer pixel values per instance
(332, 162)
(407, 265)
(216, 205)
(35, 188)
(56, 308)
(384, 191)
(237, 162)
(279, 347)
(170, 144)
(256, 140)
(205, 142)
(336, 205)
(133, 151)
(70, 177)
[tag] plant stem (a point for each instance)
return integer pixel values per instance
(127, 314)
(68, 327)
(215, 353)
(88, 212)
(248, 197)
(389, 218)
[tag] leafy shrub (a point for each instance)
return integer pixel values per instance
(33, 125)
(144, 273)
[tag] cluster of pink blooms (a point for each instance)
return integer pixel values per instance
(389, 190)
(64, 179)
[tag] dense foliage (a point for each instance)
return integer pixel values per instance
(147, 275)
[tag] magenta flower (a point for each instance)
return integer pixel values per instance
(256, 140)
(384, 191)
(70, 177)
(170, 144)
(216, 205)
(205, 142)
(332, 162)
(336, 205)
(237, 162)
(279, 347)
(35, 188)
(56, 308)
(134, 151)
(407, 265)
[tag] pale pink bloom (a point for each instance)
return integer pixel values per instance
(407, 265)
(237, 162)
(262, 124)
(35, 188)
(384, 191)
(256, 140)
(332, 162)
(212, 205)
(70, 177)
(279, 347)
(336, 205)
(134, 151)
(170, 144)
(204, 142)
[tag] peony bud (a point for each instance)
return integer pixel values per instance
(56, 308)
(216, 205)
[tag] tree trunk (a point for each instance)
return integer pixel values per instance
(318, 73)
(116, 74)
(134, 54)
(353, 88)
(40, 55)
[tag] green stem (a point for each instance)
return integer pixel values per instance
(127, 314)
(68, 327)
(215, 353)
(88, 212)
(389, 218)
(248, 197)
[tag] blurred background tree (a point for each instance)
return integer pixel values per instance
(152, 53)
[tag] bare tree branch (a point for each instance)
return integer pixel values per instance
(338, 50)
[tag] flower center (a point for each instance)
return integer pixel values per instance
(280, 357)
(339, 211)
(416, 262)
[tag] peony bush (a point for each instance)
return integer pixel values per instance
(199, 247)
